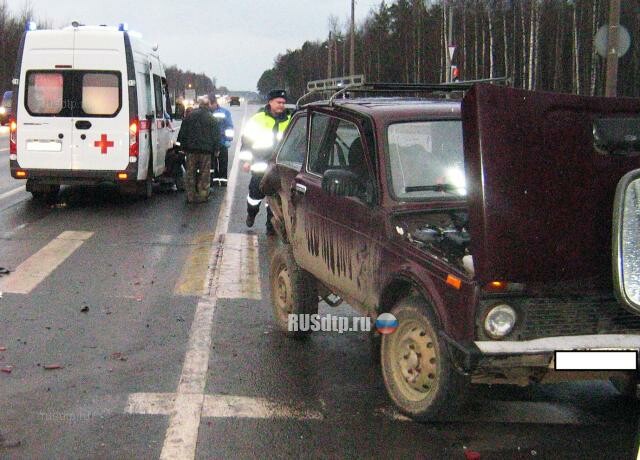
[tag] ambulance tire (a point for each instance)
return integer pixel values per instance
(145, 187)
(47, 195)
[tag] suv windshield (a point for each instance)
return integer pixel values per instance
(426, 159)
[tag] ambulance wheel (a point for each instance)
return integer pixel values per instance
(145, 189)
(46, 194)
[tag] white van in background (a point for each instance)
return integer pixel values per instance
(89, 106)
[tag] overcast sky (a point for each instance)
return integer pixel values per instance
(231, 40)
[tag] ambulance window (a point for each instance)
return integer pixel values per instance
(157, 89)
(44, 93)
(100, 93)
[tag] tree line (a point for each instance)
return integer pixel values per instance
(12, 27)
(537, 44)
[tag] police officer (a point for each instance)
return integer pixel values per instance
(260, 137)
(199, 137)
(220, 160)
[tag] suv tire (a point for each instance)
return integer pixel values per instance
(293, 290)
(417, 370)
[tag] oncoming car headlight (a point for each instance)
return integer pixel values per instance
(500, 321)
(259, 167)
(3, 110)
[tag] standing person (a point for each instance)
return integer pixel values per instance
(199, 138)
(260, 137)
(220, 160)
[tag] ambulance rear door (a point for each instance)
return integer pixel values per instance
(101, 116)
(44, 114)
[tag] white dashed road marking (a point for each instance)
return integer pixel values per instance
(22, 188)
(36, 268)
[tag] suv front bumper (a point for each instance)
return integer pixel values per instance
(533, 353)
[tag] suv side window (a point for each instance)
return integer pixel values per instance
(337, 144)
(319, 125)
(294, 147)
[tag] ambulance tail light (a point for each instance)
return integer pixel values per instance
(134, 140)
(13, 138)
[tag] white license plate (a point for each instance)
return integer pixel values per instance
(44, 146)
(596, 360)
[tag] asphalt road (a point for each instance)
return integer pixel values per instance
(108, 290)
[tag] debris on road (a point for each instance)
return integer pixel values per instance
(52, 366)
(3, 348)
(119, 356)
(6, 444)
(471, 455)
(4, 271)
(6, 369)
(84, 309)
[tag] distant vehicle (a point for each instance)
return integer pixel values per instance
(98, 115)
(234, 100)
(5, 107)
(477, 244)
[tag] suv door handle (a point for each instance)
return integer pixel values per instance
(83, 124)
(301, 189)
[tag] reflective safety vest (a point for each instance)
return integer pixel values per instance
(263, 132)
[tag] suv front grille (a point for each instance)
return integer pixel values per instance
(557, 317)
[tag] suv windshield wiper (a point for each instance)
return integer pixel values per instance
(429, 188)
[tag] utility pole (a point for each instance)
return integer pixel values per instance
(611, 86)
(352, 64)
(329, 60)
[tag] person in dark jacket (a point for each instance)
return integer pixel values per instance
(199, 138)
(219, 162)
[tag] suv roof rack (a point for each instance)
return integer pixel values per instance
(331, 85)
(340, 86)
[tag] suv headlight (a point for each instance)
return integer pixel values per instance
(500, 321)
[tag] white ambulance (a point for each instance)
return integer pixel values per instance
(89, 106)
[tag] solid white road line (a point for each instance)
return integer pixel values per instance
(182, 433)
(22, 188)
(36, 268)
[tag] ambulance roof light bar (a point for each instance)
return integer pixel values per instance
(31, 26)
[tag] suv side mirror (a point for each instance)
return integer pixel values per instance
(342, 182)
(626, 241)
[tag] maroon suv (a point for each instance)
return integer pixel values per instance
(484, 225)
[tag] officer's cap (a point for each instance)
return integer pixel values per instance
(274, 93)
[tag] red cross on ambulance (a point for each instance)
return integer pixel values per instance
(103, 143)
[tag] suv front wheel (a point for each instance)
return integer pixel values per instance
(293, 290)
(417, 371)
